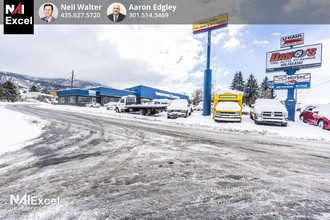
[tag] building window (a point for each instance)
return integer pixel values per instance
(61, 100)
(110, 99)
(72, 99)
(83, 99)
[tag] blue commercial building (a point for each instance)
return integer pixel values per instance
(103, 95)
(80, 97)
(152, 93)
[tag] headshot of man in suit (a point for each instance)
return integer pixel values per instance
(48, 11)
(116, 16)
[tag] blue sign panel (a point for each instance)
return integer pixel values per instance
(305, 85)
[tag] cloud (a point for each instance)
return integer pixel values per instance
(173, 57)
(294, 5)
(261, 43)
(276, 34)
(232, 44)
(231, 37)
(202, 9)
(118, 56)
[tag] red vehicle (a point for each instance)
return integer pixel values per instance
(317, 115)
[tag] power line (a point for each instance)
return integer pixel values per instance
(320, 84)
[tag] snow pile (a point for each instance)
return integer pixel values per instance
(17, 129)
(178, 104)
(228, 106)
(268, 105)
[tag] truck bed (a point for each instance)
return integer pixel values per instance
(145, 106)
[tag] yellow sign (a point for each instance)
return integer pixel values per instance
(210, 23)
(54, 94)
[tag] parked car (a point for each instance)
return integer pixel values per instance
(199, 107)
(318, 115)
(269, 111)
(110, 105)
(93, 105)
(178, 108)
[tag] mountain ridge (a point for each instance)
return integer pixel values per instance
(46, 85)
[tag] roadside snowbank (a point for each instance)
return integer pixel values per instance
(17, 129)
(295, 129)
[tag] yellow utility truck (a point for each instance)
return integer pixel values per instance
(227, 106)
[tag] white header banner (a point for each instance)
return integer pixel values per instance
(294, 58)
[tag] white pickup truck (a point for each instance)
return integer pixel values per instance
(178, 108)
(269, 111)
(130, 103)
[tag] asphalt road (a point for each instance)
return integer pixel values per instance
(104, 168)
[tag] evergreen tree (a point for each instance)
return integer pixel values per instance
(272, 93)
(2, 92)
(238, 82)
(251, 90)
(34, 89)
(9, 92)
(264, 90)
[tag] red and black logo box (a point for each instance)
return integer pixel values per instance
(18, 17)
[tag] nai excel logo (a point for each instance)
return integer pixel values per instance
(18, 17)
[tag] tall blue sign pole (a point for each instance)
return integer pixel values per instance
(290, 102)
(208, 25)
(207, 80)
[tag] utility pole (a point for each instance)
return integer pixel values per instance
(72, 78)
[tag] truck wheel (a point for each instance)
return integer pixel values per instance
(142, 112)
(117, 110)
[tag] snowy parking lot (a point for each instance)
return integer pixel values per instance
(295, 129)
(105, 165)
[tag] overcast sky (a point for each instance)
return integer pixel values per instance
(168, 57)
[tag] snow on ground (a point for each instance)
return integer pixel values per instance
(296, 129)
(17, 129)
